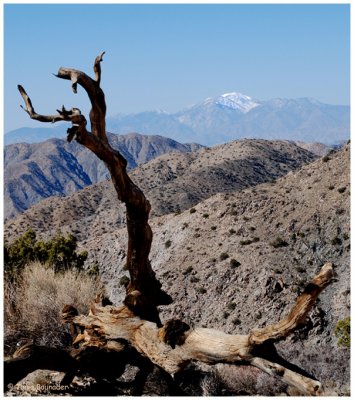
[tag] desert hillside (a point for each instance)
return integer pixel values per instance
(172, 182)
(255, 248)
(238, 259)
(36, 171)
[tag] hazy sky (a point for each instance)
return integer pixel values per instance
(171, 56)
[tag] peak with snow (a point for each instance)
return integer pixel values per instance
(237, 101)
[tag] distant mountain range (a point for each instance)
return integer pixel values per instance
(224, 118)
(54, 167)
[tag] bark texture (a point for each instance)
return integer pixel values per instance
(134, 330)
(144, 292)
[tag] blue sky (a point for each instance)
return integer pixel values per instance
(171, 56)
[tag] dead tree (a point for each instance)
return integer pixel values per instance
(136, 324)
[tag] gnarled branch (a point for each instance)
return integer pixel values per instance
(144, 292)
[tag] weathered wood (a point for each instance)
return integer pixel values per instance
(202, 344)
(299, 312)
(144, 291)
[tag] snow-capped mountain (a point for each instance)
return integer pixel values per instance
(233, 116)
(236, 101)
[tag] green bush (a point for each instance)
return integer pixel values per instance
(59, 253)
(124, 281)
(342, 332)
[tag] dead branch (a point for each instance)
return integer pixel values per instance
(144, 292)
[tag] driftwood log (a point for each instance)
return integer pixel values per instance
(134, 331)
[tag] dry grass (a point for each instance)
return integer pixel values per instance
(33, 307)
(248, 381)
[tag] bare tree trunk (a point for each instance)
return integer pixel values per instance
(174, 344)
(144, 292)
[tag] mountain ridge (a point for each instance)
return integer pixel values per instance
(54, 167)
(173, 182)
(227, 117)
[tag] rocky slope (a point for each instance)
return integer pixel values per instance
(56, 168)
(277, 232)
(240, 259)
(172, 182)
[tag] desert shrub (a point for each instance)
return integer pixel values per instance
(192, 210)
(336, 241)
(246, 242)
(279, 242)
(194, 279)
(248, 380)
(124, 281)
(341, 189)
(168, 244)
(230, 380)
(58, 252)
(234, 263)
(210, 385)
(188, 270)
(205, 215)
(231, 306)
(94, 269)
(342, 332)
(35, 301)
(325, 159)
(331, 366)
(223, 256)
(201, 290)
